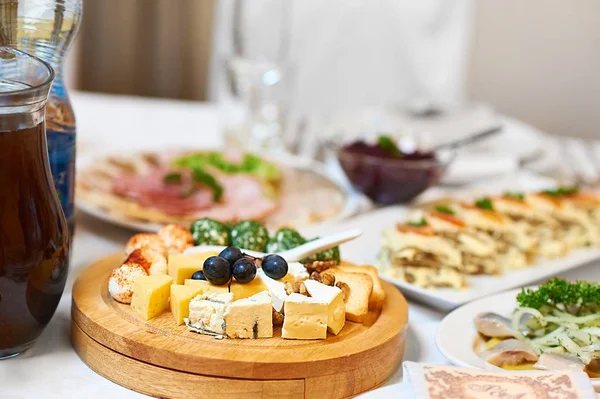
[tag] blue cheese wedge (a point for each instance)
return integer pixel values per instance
(275, 288)
(207, 313)
(250, 317)
(305, 318)
(336, 309)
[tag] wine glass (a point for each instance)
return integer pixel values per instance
(259, 72)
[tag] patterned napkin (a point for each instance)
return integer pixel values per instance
(430, 381)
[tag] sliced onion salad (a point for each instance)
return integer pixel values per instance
(560, 333)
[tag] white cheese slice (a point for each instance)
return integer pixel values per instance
(276, 289)
(250, 317)
(207, 313)
(298, 271)
(336, 309)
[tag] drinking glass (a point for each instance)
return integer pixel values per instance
(258, 71)
(33, 230)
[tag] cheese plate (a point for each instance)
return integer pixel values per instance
(161, 358)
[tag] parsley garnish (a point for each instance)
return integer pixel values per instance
(484, 203)
(418, 223)
(388, 144)
(562, 191)
(250, 164)
(202, 177)
(580, 297)
(444, 209)
(519, 196)
(172, 178)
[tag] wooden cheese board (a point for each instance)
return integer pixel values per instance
(161, 359)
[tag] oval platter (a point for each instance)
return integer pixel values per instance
(161, 359)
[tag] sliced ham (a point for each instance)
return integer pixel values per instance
(243, 199)
(243, 196)
(149, 190)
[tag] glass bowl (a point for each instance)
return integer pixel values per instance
(388, 181)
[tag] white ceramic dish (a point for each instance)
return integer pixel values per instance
(352, 201)
(366, 248)
(456, 333)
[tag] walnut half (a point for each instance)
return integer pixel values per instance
(345, 290)
(277, 318)
(297, 287)
(320, 266)
(323, 278)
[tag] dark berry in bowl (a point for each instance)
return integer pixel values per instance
(389, 176)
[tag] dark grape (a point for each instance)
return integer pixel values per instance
(199, 275)
(231, 255)
(244, 270)
(274, 266)
(217, 270)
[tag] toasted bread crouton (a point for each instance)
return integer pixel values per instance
(378, 294)
(361, 287)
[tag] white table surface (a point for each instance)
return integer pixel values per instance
(106, 123)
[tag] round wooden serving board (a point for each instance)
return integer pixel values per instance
(159, 358)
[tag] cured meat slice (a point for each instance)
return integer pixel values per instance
(151, 191)
(243, 199)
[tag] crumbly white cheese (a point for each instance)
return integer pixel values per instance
(207, 312)
(250, 317)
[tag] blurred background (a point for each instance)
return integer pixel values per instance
(535, 60)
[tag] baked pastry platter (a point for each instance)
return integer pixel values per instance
(145, 191)
(238, 311)
(461, 247)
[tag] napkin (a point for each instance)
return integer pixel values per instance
(429, 381)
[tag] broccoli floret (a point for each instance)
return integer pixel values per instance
(249, 234)
(207, 231)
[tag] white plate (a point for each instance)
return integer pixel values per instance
(352, 203)
(366, 248)
(456, 333)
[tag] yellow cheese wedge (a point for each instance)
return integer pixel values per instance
(151, 295)
(207, 287)
(241, 291)
(181, 295)
(305, 318)
(336, 310)
(181, 267)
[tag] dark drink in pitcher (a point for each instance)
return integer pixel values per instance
(34, 240)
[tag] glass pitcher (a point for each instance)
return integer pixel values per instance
(34, 240)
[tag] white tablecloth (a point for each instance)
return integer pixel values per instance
(52, 369)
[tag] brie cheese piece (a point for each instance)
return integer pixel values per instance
(298, 271)
(250, 317)
(207, 312)
(305, 318)
(276, 289)
(336, 309)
